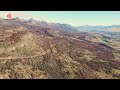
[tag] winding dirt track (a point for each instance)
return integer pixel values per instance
(38, 54)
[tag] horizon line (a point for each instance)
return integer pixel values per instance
(60, 22)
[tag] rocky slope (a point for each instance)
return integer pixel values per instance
(33, 50)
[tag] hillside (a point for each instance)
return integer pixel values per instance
(39, 50)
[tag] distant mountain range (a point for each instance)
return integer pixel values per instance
(65, 27)
(17, 21)
(87, 28)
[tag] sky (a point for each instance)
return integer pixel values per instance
(74, 18)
